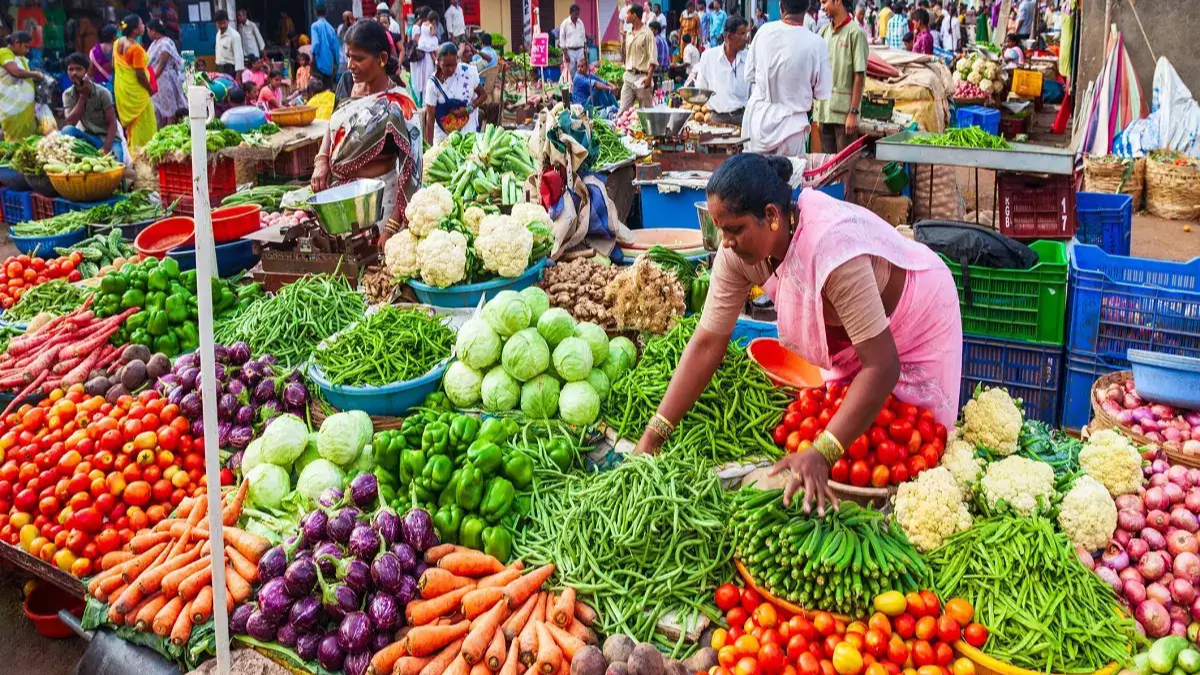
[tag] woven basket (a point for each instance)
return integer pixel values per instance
(1172, 192)
(1125, 177)
(876, 498)
(88, 187)
(1103, 420)
(317, 415)
(295, 116)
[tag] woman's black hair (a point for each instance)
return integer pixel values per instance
(747, 183)
(130, 23)
(156, 26)
(372, 37)
(108, 33)
(304, 57)
(275, 73)
(447, 48)
(237, 96)
(20, 37)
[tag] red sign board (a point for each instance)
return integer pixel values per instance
(470, 10)
(539, 50)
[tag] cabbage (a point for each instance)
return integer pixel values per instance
(578, 403)
(477, 344)
(499, 390)
(597, 340)
(538, 303)
(572, 359)
(618, 363)
(340, 439)
(318, 475)
(626, 345)
(539, 397)
(365, 423)
(525, 355)
(252, 457)
(269, 484)
(507, 313)
(555, 324)
(366, 460)
(462, 384)
(307, 457)
(600, 383)
(284, 440)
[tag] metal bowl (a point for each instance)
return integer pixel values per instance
(694, 95)
(339, 209)
(709, 234)
(663, 121)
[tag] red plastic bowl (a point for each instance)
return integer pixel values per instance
(165, 235)
(42, 605)
(234, 222)
(782, 365)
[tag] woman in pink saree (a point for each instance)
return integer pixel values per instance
(867, 306)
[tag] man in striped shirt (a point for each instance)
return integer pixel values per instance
(897, 26)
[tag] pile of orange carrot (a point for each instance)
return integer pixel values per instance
(477, 617)
(162, 581)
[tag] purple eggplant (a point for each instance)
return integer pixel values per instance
(237, 620)
(272, 564)
(338, 599)
(239, 353)
(167, 382)
(240, 437)
(268, 359)
(286, 635)
(176, 396)
(312, 526)
(220, 372)
(235, 461)
(189, 360)
(387, 524)
(364, 490)
(260, 626)
(268, 411)
(304, 554)
(419, 569)
(305, 613)
(380, 641)
(356, 663)
(244, 415)
(341, 525)
(355, 573)
(329, 654)
(307, 644)
(386, 572)
(295, 395)
(191, 406)
(354, 632)
(264, 391)
(226, 406)
(407, 592)
(326, 556)
(417, 528)
(382, 608)
(405, 556)
(251, 374)
(221, 353)
(198, 427)
(273, 599)
(189, 379)
(223, 430)
(364, 542)
(330, 497)
(300, 578)
(235, 387)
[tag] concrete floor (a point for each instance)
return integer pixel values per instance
(24, 651)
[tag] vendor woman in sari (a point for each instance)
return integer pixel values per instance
(853, 296)
(132, 84)
(373, 134)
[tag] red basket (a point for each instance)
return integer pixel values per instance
(42, 605)
(235, 222)
(186, 207)
(175, 179)
(165, 235)
(43, 207)
(298, 162)
(1010, 127)
(1036, 207)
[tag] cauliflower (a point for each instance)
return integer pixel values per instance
(1113, 460)
(503, 245)
(985, 84)
(472, 218)
(997, 86)
(958, 76)
(1020, 482)
(993, 420)
(427, 208)
(526, 213)
(976, 66)
(974, 77)
(931, 508)
(960, 459)
(990, 69)
(443, 257)
(400, 255)
(1088, 515)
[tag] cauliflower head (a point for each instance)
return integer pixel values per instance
(427, 208)
(993, 420)
(1113, 460)
(931, 508)
(997, 86)
(400, 255)
(990, 69)
(966, 468)
(974, 77)
(526, 213)
(472, 218)
(503, 245)
(443, 257)
(1088, 514)
(985, 84)
(977, 66)
(1020, 482)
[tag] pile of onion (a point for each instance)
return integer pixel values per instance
(1177, 431)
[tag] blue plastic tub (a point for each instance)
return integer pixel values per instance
(391, 400)
(1082, 372)
(1167, 378)
(44, 246)
(1104, 220)
(62, 206)
(1030, 371)
(468, 295)
(13, 179)
(232, 257)
(746, 330)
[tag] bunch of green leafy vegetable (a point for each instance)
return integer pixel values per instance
(613, 73)
(178, 138)
(137, 206)
(962, 137)
(25, 160)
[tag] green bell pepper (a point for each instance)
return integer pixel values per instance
(141, 337)
(176, 309)
(497, 499)
(561, 452)
(156, 301)
(387, 496)
(189, 337)
(470, 487)
(412, 463)
(699, 291)
(446, 523)
(112, 284)
(511, 428)
(170, 267)
(496, 430)
(518, 469)
(385, 477)
(462, 432)
(137, 320)
(470, 532)
(167, 344)
(188, 279)
(157, 325)
(487, 456)
(133, 298)
(437, 401)
(497, 542)
(138, 279)
(435, 440)
(412, 429)
(388, 445)
(450, 493)
(157, 280)
(227, 300)
(437, 472)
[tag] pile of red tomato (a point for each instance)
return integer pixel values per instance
(903, 441)
(19, 273)
(907, 635)
(79, 476)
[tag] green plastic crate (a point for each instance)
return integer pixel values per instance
(1027, 305)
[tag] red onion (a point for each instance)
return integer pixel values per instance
(1122, 537)
(1115, 557)
(1153, 565)
(1136, 428)
(1192, 418)
(1129, 386)
(1135, 591)
(1085, 557)
(1184, 519)
(1192, 500)
(1162, 411)
(1158, 593)
(1130, 520)
(1195, 609)
(1153, 538)
(1172, 446)
(1153, 617)
(1113, 408)
(1136, 548)
(1167, 577)
(1177, 474)
(1160, 465)
(1124, 417)
(1192, 446)
(1154, 436)
(1179, 628)
(1173, 492)
(1131, 503)
(1178, 613)
(1187, 566)
(1158, 520)
(1110, 577)
(1156, 497)
(1158, 480)
(1173, 435)
(1130, 573)
(1131, 402)
(1182, 592)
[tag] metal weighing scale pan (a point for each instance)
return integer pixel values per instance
(1023, 157)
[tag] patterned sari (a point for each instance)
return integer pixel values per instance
(361, 128)
(133, 101)
(17, 116)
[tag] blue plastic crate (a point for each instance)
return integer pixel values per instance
(1082, 372)
(1119, 302)
(747, 329)
(670, 209)
(18, 206)
(987, 119)
(62, 206)
(1029, 371)
(1104, 220)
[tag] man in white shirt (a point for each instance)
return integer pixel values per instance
(572, 40)
(228, 51)
(787, 67)
(723, 70)
(456, 25)
(691, 55)
(654, 13)
(252, 40)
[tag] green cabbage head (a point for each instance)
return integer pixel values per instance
(619, 361)
(525, 355)
(539, 397)
(507, 313)
(597, 340)
(572, 359)
(555, 325)
(500, 391)
(318, 475)
(269, 484)
(578, 403)
(253, 456)
(600, 383)
(538, 303)
(462, 384)
(309, 455)
(623, 344)
(340, 439)
(284, 440)
(477, 344)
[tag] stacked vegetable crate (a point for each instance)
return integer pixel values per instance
(18, 206)
(175, 180)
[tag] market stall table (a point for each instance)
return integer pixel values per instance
(41, 570)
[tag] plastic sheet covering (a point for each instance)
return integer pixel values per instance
(1115, 99)
(1174, 120)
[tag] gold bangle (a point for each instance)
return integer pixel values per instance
(663, 418)
(393, 225)
(660, 426)
(829, 446)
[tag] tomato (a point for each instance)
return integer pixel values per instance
(737, 616)
(747, 645)
(899, 473)
(933, 606)
(880, 476)
(860, 474)
(811, 427)
(961, 610)
(847, 660)
(746, 665)
(880, 622)
(765, 615)
(131, 428)
(922, 653)
(840, 471)
(771, 659)
(823, 622)
(727, 597)
(916, 464)
(802, 626)
(875, 669)
(939, 432)
(727, 656)
(750, 599)
(859, 448)
(948, 629)
(719, 639)
(792, 420)
(930, 454)
(975, 634)
(900, 431)
(906, 624)
(929, 670)
(963, 667)
(897, 651)
(943, 654)
(796, 645)
(884, 418)
(876, 643)
(107, 541)
(926, 628)
(793, 441)
(779, 435)
(735, 632)
(137, 493)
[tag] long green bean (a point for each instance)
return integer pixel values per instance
(391, 345)
(56, 297)
(962, 137)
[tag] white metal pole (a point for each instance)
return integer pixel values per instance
(199, 101)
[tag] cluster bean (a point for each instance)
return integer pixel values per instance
(391, 345)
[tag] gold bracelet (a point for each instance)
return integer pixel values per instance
(663, 418)
(660, 426)
(393, 225)
(829, 446)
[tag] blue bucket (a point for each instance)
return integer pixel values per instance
(1167, 378)
(44, 246)
(232, 257)
(468, 295)
(389, 400)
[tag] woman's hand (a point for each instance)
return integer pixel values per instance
(810, 470)
(383, 239)
(649, 443)
(320, 177)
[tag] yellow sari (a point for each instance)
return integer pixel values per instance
(17, 116)
(133, 100)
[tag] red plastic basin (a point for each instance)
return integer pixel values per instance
(782, 365)
(165, 235)
(42, 605)
(234, 222)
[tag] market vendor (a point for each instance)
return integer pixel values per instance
(452, 97)
(723, 71)
(91, 113)
(853, 296)
(373, 134)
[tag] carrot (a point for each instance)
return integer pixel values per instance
(151, 580)
(170, 583)
(563, 612)
(480, 669)
(165, 525)
(513, 625)
(582, 632)
(569, 644)
(440, 551)
(385, 659)
(131, 616)
(233, 509)
(191, 586)
(246, 569)
(119, 569)
(182, 630)
(238, 587)
(470, 563)
(500, 579)
(144, 562)
(549, 656)
(435, 581)
(114, 558)
(146, 614)
(131, 597)
(164, 621)
(518, 591)
(481, 600)
(202, 605)
(585, 614)
(481, 633)
(426, 640)
(458, 667)
(443, 660)
(493, 658)
(250, 545)
(512, 660)
(528, 636)
(421, 612)
(114, 617)
(144, 542)
(408, 665)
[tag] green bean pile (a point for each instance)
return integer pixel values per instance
(608, 145)
(733, 418)
(7, 333)
(50, 227)
(962, 137)
(639, 541)
(391, 345)
(1044, 610)
(291, 324)
(56, 297)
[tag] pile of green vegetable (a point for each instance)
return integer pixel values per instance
(1044, 610)
(607, 146)
(71, 221)
(56, 297)
(135, 208)
(295, 320)
(267, 196)
(177, 138)
(838, 562)
(962, 137)
(731, 421)
(613, 73)
(99, 251)
(388, 346)
(7, 333)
